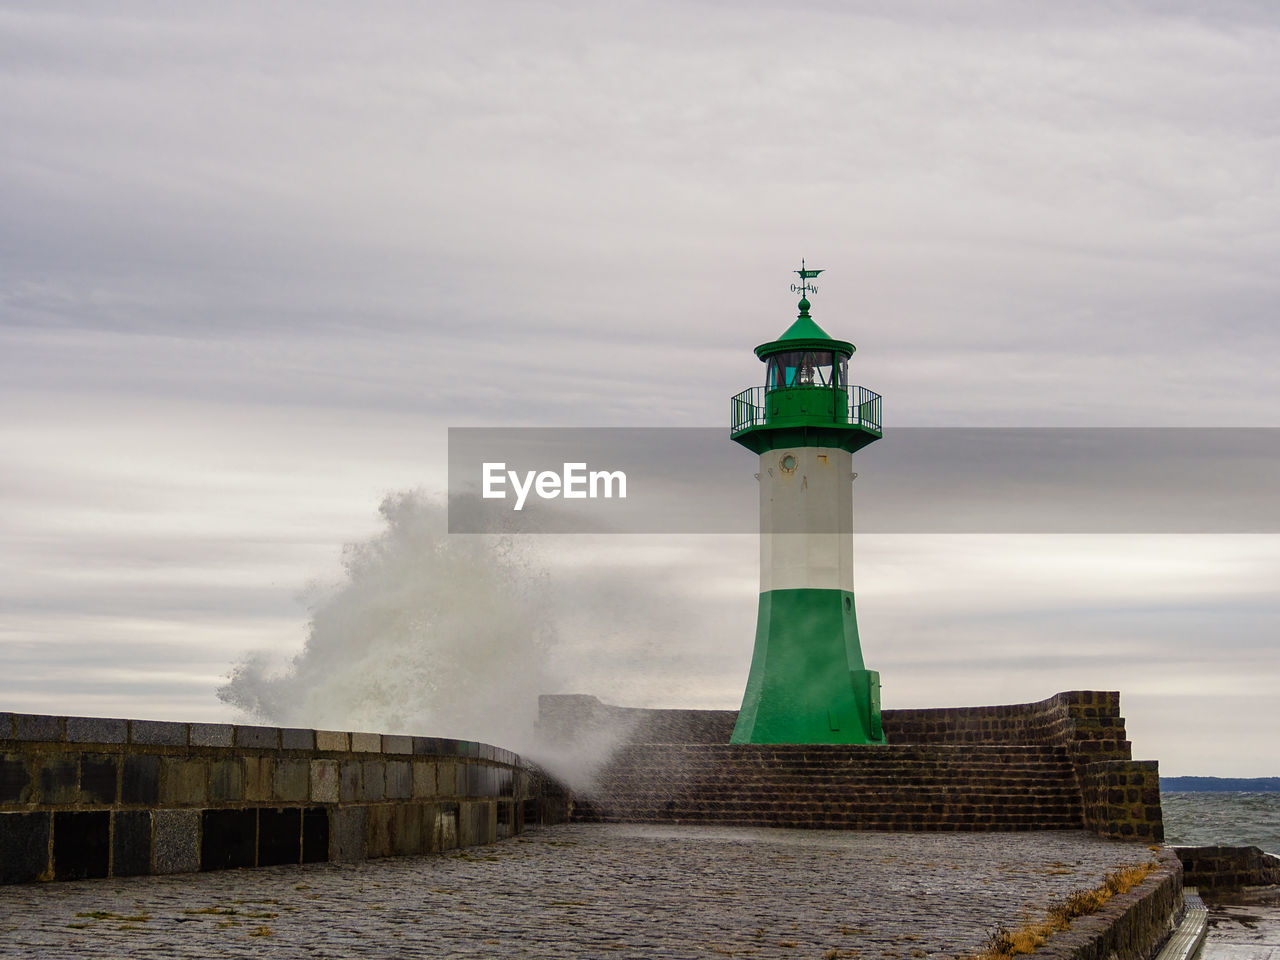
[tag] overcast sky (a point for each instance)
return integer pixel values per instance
(255, 261)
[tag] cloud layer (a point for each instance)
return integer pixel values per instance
(255, 261)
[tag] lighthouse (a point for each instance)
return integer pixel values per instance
(808, 683)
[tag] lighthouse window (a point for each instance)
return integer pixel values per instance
(801, 368)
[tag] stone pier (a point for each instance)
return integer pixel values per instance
(628, 890)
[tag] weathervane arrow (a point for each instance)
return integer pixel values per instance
(804, 287)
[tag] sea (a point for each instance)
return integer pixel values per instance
(1227, 818)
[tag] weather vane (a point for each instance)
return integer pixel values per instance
(804, 287)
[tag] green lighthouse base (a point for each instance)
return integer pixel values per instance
(807, 682)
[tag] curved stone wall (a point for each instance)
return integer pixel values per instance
(92, 797)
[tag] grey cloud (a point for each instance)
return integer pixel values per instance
(303, 241)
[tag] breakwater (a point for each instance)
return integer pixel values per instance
(586, 891)
(85, 797)
(94, 797)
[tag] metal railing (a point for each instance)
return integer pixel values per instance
(746, 410)
(864, 408)
(861, 409)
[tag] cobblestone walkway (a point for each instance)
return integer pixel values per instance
(585, 891)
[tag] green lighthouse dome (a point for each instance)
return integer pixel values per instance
(806, 397)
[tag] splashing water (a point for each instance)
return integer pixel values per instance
(456, 635)
(428, 634)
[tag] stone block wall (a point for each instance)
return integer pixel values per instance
(1130, 926)
(90, 797)
(1228, 868)
(1087, 720)
(1117, 796)
(827, 786)
(1121, 798)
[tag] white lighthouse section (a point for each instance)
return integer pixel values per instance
(806, 519)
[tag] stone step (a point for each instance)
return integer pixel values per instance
(830, 749)
(905, 787)
(835, 821)
(977, 806)
(859, 752)
(1063, 807)
(630, 758)
(836, 818)
(783, 781)
(1100, 730)
(901, 794)
(1058, 754)
(973, 803)
(727, 771)
(791, 781)
(868, 797)
(988, 802)
(737, 770)
(1062, 812)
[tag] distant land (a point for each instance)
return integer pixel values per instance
(1220, 784)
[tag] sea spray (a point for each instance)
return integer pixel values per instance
(435, 634)
(427, 633)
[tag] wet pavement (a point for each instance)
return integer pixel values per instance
(1244, 926)
(587, 891)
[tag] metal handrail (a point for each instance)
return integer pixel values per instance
(861, 409)
(746, 410)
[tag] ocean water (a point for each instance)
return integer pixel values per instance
(1235, 819)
